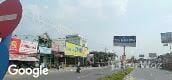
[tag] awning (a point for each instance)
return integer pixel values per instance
(17, 57)
(29, 59)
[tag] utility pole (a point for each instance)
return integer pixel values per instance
(170, 47)
(106, 50)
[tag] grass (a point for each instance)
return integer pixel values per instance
(118, 75)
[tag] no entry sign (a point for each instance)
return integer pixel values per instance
(10, 16)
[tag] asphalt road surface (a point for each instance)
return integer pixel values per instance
(90, 74)
(150, 74)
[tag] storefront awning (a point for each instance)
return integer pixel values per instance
(29, 59)
(22, 58)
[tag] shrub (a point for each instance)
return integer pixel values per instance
(119, 75)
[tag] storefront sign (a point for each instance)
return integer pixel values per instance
(28, 47)
(73, 49)
(44, 50)
(15, 45)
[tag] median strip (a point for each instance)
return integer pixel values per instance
(120, 75)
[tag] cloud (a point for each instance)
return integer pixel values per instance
(38, 17)
(92, 8)
(168, 19)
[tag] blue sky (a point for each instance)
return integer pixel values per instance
(99, 20)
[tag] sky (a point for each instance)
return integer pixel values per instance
(99, 20)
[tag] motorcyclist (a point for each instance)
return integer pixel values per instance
(78, 69)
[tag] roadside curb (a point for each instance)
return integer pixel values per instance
(130, 76)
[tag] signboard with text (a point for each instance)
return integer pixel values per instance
(28, 47)
(152, 55)
(128, 41)
(45, 50)
(141, 55)
(18, 46)
(73, 49)
(15, 45)
(166, 37)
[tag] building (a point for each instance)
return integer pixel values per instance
(23, 53)
(76, 39)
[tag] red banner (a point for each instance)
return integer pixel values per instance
(15, 45)
(28, 47)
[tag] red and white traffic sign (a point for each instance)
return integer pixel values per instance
(10, 16)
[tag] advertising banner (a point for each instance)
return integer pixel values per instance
(45, 50)
(28, 47)
(19, 57)
(141, 55)
(58, 45)
(85, 52)
(55, 46)
(15, 45)
(128, 41)
(166, 37)
(73, 50)
(152, 55)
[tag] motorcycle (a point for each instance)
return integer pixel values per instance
(78, 69)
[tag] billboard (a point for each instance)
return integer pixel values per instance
(55, 46)
(58, 45)
(44, 50)
(15, 45)
(73, 49)
(152, 55)
(128, 41)
(28, 47)
(141, 55)
(85, 52)
(19, 57)
(18, 46)
(166, 37)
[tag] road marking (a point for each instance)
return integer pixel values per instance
(80, 77)
(151, 74)
(8, 17)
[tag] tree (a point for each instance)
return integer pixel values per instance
(45, 40)
(102, 57)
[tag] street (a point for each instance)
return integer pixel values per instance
(150, 74)
(88, 74)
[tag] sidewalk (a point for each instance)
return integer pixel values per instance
(149, 74)
(70, 69)
(66, 69)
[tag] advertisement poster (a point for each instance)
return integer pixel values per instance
(128, 41)
(28, 47)
(45, 50)
(73, 50)
(15, 45)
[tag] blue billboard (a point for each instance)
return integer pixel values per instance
(128, 41)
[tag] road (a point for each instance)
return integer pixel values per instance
(90, 74)
(150, 74)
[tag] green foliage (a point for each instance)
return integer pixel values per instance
(102, 56)
(118, 75)
(45, 42)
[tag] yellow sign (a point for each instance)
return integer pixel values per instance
(13, 44)
(85, 52)
(75, 50)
